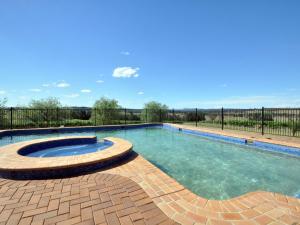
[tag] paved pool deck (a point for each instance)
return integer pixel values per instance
(275, 139)
(96, 198)
(161, 200)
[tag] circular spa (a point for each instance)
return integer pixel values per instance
(60, 157)
(59, 149)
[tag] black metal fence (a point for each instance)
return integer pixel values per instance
(279, 121)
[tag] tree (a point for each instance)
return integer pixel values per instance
(47, 103)
(3, 112)
(154, 112)
(3, 102)
(106, 111)
(44, 111)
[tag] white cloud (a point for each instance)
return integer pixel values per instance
(100, 81)
(72, 96)
(2, 92)
(35, 90)
(126, 72)
(62, 84)
(46, 85)
(140, 93)
(125, 53)
(86, 91)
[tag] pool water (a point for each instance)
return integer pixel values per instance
(209, 168)
(71, 150)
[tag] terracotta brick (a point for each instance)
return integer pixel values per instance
(25, 221)
(71, 221)
(232, 216)
(64, 208)
(125, 220)
(250, 213)
(99, 217)
(14, 219)
(197, 218)
(86, 214)
(263, 219)
(112, 219)
(34, 212)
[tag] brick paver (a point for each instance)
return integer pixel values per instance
(97, 198)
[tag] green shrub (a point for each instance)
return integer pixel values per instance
(241, 123)
(277, 125)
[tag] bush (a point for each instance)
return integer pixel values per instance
(244, 123)
(277, 125)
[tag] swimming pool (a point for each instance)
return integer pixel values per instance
(210, 168)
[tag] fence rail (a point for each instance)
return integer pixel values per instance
(278, 121)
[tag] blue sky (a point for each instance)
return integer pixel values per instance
(196, 53)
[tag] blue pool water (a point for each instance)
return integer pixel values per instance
(71, 150)
(210, 168)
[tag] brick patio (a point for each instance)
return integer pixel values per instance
(90, 199)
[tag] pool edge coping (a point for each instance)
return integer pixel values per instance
(12, 161)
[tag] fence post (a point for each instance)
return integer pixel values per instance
(47, 116)
(95, 119)
(196, 117)
(173, 116)
(160, 115)
(222, 117)
(11, 118)
(146, 115)
(262, 120)
(57, 123)
(125, 116)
